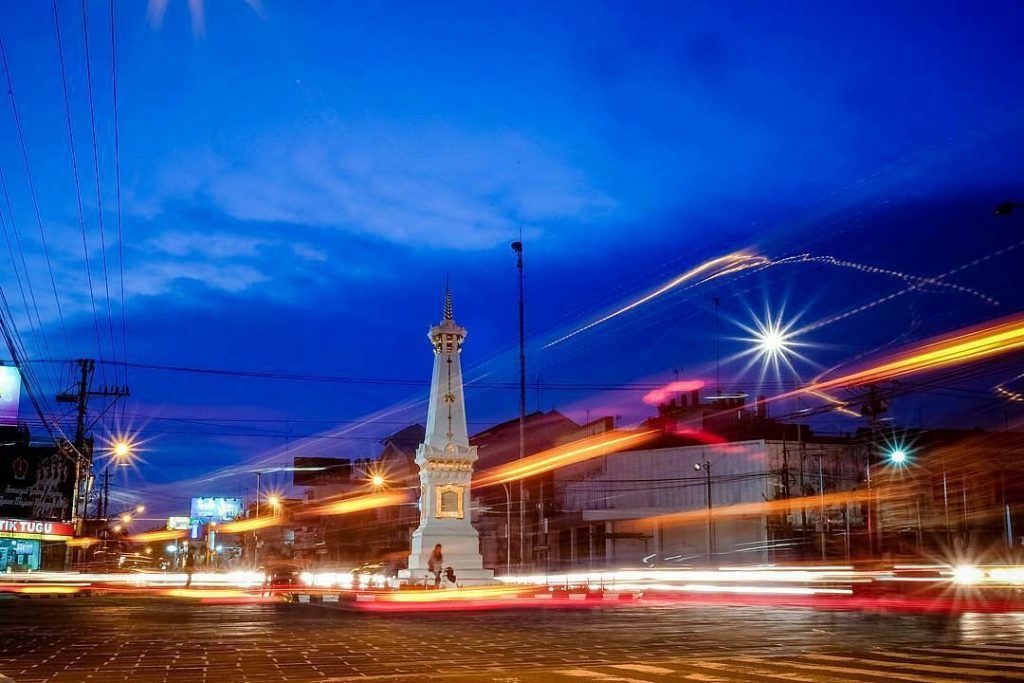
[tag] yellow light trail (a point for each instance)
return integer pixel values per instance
(767, 506)
(560, 456)
(360, 503)
(964, 346)
(705, 272)
(149, 536)
(243, 525)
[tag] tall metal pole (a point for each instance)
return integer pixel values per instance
(517, 247)
(256, 534)
(706, 466)
(508, 527)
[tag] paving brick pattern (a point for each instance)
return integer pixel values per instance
(151, 641)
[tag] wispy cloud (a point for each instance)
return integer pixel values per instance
(437, 189)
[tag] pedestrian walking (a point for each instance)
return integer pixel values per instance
(190, 568)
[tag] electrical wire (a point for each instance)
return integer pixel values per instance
(78, 184)
(32, 191)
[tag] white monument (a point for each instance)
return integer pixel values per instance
(446, 459)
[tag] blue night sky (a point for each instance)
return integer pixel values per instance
(297, 179)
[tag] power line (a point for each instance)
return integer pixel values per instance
(117, 183)
(96, 169)
(32, 191)
(78, 184)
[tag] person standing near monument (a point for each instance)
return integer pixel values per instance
(435, 565)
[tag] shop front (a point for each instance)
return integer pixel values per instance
(26, 544)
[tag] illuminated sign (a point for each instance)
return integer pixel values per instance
(177, 523)
(217, 509)
(10, 392)
(35, 530)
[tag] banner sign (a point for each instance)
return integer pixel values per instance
(35, 530)
(10, 392)
(217, 509)
(35, 482)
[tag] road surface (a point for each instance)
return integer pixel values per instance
(151, 640)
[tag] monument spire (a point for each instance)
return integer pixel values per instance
(447, 300)
(445, 459)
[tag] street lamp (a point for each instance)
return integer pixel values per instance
(126, 518)
(897, 456)
(377, 481)
(706, 467)
(517, 247)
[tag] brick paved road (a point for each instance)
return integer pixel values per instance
(154, 641)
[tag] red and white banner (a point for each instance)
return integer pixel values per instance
(35, 529)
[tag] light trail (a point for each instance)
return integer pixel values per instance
(917, 284)
(963, 346)
(658, 396)
(150, 536)
(705, 272)
(560, 456)
(243, 525)
(766, 506)
(368, 501)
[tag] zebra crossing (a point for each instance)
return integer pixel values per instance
(966, 662)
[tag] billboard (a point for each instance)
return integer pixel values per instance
(178, 523)
(210, 509)
(312, 471)
(35, 482)
(10, 392)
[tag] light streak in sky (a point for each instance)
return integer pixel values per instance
(705, 272)
(917, 284)
(1010, 394)
(242, 525)
(917, 280)
(963, 346)
(561, 456)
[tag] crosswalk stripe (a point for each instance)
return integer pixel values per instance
(966, 651)
(886, 675)
(645, 668)
(992, 646)
(760, 672)
(916, 666)
(955, 660)
(598, 676)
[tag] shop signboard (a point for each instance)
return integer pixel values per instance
(35, 482)
(35, 529)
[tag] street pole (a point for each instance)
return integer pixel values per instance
(508, 528)
(255, 533)
(821, 497)
(706, 466)
(517, 247)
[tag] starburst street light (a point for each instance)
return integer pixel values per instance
(377, 481)
(772, 343)
(898, 456)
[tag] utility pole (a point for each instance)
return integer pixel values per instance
(83, 443)
(873, 408)
(706, 466)
(517, 247)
